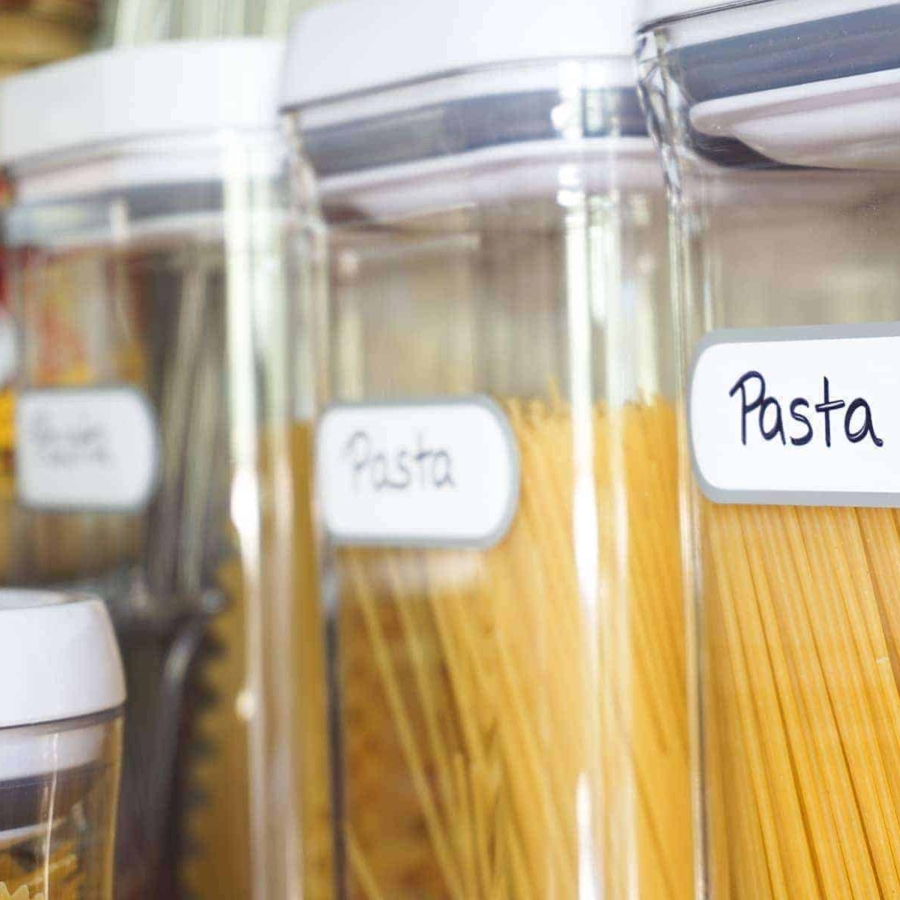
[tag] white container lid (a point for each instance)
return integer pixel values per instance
(175, 88)
(357, 45)
(59, 657)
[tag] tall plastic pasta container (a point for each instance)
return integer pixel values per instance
(777, 130)
(61, 700)
(496, 459)
(155, 460)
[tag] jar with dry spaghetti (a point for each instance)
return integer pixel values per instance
(783, 161)
(496, 459)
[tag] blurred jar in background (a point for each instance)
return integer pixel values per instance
(154, 427)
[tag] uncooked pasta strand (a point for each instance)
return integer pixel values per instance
(361, 869)
(838, 762)
(829, 864)
(548, 622)
(522, 759)
(554, 620)
(882, 542)
(466, 701)
(724, 550)
(659, 699)
(653, 490)
(856, 715)
(728, 779)
(407, 737)
(527, 832)
(424, 686)
(481, 807)
(464, 826)
(816, 731)
(886, 703)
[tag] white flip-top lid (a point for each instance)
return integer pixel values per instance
(350, 46)
(59, 658)
(180, 87)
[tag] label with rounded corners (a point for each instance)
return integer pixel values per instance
(86, 449)
(441, 473)
(803, 416)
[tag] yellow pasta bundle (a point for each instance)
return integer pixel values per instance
(24, 877)
(21, 894)
(514, 721)
(802, 618)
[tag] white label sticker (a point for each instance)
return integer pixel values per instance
(86, 449)
(443, 474)
(807, 416)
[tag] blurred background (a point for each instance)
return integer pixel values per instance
(35, 32)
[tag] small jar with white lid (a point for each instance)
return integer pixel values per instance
(777, 124)
(152, 424)
(61, 701)
(495, 467)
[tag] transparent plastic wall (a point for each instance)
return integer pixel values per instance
(157, 459)
(782, 161)
(496, 472)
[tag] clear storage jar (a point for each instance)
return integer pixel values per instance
(496, 462)
(155, 454)
(777, 130)
(61, 700)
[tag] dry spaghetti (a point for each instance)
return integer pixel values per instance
(509, 714)
(803, 705)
